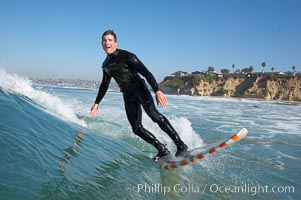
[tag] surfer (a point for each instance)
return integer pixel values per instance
(125, 68)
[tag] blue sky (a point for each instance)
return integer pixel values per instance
(61, 38)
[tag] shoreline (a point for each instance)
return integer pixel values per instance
(244, 98)
(260, 99)
(238, 98)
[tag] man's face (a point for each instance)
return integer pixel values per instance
(109, 44)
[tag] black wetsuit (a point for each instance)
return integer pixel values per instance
(125, 68)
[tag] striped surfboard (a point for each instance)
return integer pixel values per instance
(192, 156)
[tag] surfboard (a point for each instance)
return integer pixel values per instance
(192, 156)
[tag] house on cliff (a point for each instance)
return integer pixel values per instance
(179, 73)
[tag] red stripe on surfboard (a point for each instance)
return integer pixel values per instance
(223, 145)
(212, 150)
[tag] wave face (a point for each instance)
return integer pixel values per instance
(52, 149)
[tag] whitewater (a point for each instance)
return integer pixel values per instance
(51, 148)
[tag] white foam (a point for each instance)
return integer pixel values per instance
(186, 132)
(53, 104)
(292, 126)
(183, 127)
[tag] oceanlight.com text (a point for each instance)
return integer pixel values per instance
(251, 189)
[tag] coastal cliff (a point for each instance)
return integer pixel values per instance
(262, 87)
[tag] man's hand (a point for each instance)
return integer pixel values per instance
(94, 110)
(161, 99)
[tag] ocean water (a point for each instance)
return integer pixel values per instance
(52, 149)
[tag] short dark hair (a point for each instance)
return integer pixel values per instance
(110, 32)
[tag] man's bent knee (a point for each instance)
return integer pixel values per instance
(157, 118)
(138, 129)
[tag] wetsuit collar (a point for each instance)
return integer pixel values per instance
(115, 53)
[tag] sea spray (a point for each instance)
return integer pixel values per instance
(53, 104)
(183, 127)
